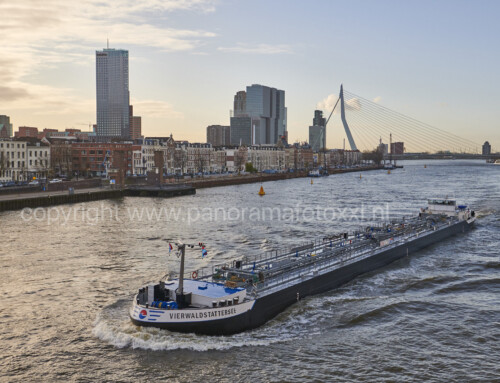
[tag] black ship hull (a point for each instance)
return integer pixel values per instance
(268, 306)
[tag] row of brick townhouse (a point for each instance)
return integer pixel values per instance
(22, 159)
(99, 158)
(339, 157)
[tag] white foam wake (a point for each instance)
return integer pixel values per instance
(306, 319)
(113, 326)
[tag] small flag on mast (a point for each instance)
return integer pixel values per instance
(170, 247)
(203, 252)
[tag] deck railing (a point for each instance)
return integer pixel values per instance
(330, 251)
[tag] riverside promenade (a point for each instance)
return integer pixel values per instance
(27, 198)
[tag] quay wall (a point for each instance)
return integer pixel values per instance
(209, 182)
(48, 199)
(9, 201)
(44, 200)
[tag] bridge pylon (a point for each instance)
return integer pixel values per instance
(352, 144)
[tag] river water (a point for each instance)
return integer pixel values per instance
(68, 275)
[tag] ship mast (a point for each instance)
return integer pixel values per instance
(182, 249)
(181, 297)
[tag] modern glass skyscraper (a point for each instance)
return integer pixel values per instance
(266, 109)
(113, 99)
(317, 132)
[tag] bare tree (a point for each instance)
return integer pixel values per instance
(200, 160)
(239, 159)
(180, 159)
(3, 163)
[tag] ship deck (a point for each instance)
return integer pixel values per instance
(203, 288)
(263, 274)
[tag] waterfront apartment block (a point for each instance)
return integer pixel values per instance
(135, 124)
(38, 159)
(26, 131)
(69, 133)
(341, 157)
(12, 160)
(98, 158)
(24, 160)
(218, 135)
(398, 148)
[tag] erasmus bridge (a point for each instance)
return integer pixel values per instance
(366, 123)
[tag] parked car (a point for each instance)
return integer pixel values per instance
(55, 181)
(34, 182)
(10, 183)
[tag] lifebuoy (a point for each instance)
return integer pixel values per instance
(194, 275)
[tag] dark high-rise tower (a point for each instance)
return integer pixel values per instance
(112, 91)
(318, 119)
(486, 149)
(240, 104)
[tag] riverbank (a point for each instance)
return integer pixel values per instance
(28, 198)
(209, 182)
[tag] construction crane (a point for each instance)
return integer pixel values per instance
(84, 123)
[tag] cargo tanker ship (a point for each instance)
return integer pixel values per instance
(246, 293)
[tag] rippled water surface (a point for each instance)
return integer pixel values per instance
(67, 277)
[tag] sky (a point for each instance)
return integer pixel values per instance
(436, 61)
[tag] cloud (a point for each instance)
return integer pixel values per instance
(261, 49)
(36, 35)
(328, 103)
(11, 94)
(353, 104)
(155, 109)
(443, 105)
